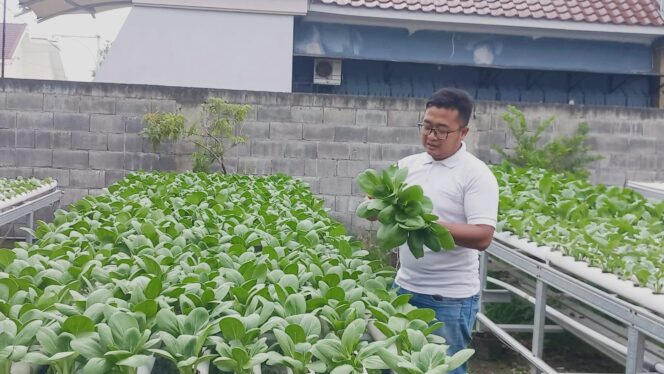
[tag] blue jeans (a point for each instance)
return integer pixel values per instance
(458, 315)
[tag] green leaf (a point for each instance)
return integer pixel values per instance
(459, 358)
(416, 243)
(411, 193)
(168, 322)
(295, 304)
(285, 342)
(7, 256)
(296, 333)
(444, 236)
(232, 328)
(391, 236)
(352, 333)
(77, 325)
(343, 369)
(196, 321)
(147, 307)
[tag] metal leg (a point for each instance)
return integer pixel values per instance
(484, 270)
(540, 319)
(31, 224)
(635, 351)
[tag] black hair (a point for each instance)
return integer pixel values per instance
(453, 98)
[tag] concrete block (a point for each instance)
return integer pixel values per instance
(380, 165)
(339, 116)
(652, 161)
(301, 150)
(393, 152)
(403, 118)
(97, 105)
(132, 106)
(72, 195)
(290, 131)
(132, 142)
(107, 123)
(116, 142)
(112, 176)
(256, 130)
(14, 172)
(488, 139)
(336, 186)
(35, 121)
(60, 175)
(271, 113)
(608, 143)
(61, 103)
(350, 134)
(359, 151)
(7, 138)
(34, 157)
(320, 168)
(336, 151)
(7, 120)
(341, 217)
(25, 101)
(375, 152)
(307, 115)
(371, 118)
(292, 167)
(3, 100)
(106, 160)
(87, 178)
(267, 148)
(89, 141)
(329, 201)
(351, 168)
(53, 139)
(166, 163)
(312, 182)
(134, 125)
(645, 145)
(324, 133)
(70, 159)
(25, 138)
(163, 106)
(394, 135)
(141, 161)
(71, 121)
(254, 166)
(7, 157)
(347, 203)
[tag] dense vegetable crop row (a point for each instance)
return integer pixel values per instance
(612, 228)
(236, 270)
(10, 188)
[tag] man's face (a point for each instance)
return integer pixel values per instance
(442, 120)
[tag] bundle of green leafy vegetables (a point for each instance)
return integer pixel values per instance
(404, 212)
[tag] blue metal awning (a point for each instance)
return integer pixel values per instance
(486, 50)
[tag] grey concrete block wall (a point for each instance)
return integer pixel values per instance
(85, 135)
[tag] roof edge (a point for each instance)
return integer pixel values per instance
(415, 21)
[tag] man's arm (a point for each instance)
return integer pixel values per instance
(470, 236)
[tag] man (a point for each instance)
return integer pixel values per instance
(464, 193)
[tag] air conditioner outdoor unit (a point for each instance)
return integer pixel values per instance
(327, 71)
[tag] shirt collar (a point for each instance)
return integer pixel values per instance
(449, 162)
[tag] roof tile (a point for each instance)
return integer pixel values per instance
(626, 12)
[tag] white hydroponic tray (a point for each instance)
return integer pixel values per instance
(651, 190)
(628, 290)
(27, 196)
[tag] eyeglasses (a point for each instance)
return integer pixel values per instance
(437, 133)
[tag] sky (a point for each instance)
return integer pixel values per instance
(75, 35)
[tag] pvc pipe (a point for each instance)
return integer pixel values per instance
(27, 195)
(642, 296)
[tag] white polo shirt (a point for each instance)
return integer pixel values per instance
(463, 190)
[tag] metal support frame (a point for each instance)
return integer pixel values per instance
(540, 319)
(28, 208)
(640, 322)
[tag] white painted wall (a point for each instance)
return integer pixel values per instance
(202, 48)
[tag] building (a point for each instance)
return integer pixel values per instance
(30, 58)
(593, 52)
